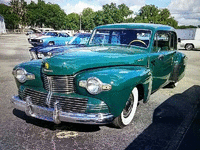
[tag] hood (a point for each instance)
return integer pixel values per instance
(47, 49)
(78, 59)
(57, 49)
(42, 37)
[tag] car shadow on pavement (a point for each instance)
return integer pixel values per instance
(170, 122)
(53, 126)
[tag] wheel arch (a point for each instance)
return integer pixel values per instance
(51, 42)
(189, 44)
(140, 88)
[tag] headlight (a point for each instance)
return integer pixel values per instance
(94, 85)
(49, 54)
(40, 55)
(41, 41)
(22, 75)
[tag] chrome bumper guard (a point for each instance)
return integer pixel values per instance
(56, 115)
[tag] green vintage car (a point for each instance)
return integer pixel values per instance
(102, 82)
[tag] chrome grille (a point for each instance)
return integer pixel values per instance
(70, 104)
(35, 40)
(38, 98)
(21, 94)
(67, 104)
(59, 84)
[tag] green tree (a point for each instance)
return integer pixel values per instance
(98, 18)
(73, 21)
(18, 8)
(112, 13)
(186, 27)
(87, 19)
(46, 15)
(11, 19)
(151, 14)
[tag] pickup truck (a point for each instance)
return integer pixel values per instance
(189, 39)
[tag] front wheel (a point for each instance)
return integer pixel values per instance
(128, 112)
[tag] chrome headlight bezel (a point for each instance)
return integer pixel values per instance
(22, 75)
(93, 81)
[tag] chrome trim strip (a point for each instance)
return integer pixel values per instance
(48, 99)
(56, 115)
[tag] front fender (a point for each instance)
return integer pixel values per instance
(123, 79)
(33, 67)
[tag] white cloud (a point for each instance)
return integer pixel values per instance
(78, 8)
(118, 2)
(135, 8)
(186, 12)
(4, 1)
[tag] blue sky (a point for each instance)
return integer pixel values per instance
(159, 3)
(186, 12)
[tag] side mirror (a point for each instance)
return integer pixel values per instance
(179, 40)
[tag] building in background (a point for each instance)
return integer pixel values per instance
(2, 25)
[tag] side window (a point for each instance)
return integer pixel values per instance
(173, 41)
(161, 41)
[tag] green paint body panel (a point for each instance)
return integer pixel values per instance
(120, 66)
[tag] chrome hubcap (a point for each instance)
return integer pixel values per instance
(129, 106)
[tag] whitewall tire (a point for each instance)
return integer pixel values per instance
(128, 112)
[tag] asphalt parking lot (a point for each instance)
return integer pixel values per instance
(162, 123)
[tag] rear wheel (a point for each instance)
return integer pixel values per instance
(189, 46)
(172, 85)
(128, 112)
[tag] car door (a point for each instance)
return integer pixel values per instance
(161, 58)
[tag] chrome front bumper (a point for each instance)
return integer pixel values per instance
(56, 115)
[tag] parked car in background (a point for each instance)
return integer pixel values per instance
(50, 38)
(80, 40)
(189, 38)
(36, 32)
(102, 82)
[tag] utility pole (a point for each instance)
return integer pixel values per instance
(80, 21)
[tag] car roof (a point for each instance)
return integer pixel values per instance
(150, 26)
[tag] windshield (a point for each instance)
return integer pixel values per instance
(132, 37)
(52, 33)
(80, 39)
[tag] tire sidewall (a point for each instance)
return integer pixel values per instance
(126, 121)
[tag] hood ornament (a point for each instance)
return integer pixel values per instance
(46, 66)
